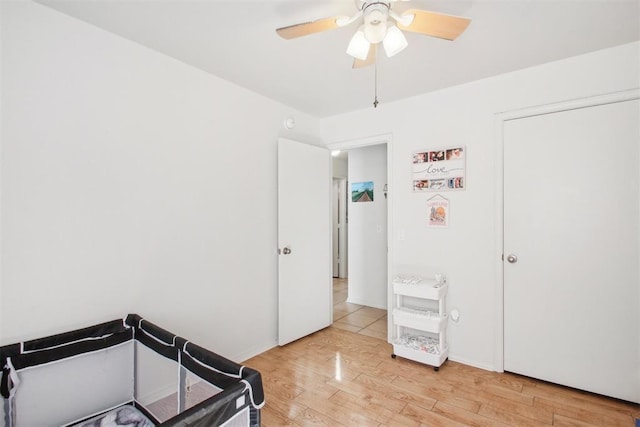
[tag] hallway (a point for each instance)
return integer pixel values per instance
(357, 318)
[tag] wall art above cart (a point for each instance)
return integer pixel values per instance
(439, 170)
(438, 211)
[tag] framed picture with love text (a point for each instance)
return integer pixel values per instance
(439, 170)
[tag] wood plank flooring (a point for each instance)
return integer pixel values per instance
(341, 378)
(344, 376)
(356, 318)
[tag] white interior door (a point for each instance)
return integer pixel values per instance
(304, 240)
(571, 217)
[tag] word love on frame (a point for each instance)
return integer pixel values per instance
(439, 170)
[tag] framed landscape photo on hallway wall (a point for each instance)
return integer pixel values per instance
(362, 192)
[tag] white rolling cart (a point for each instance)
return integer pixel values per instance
(420, 319)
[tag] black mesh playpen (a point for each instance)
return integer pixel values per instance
(125, 372)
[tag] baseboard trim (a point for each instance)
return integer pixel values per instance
(252, 352)
(472, 363)
(366, 303)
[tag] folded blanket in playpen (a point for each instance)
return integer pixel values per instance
(125, 372)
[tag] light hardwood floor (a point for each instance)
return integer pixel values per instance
(357, 318)
(340, 377)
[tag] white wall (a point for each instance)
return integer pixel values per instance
(132, 182)
(368, 229)
(469, 250)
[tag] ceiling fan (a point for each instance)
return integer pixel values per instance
(381, 24)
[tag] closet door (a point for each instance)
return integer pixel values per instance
(571, 237)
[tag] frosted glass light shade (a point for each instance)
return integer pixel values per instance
(358, 46)
(375, 33)
(394, 42)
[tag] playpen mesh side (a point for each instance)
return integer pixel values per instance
(58, 379)
(91, 381)
(192, 383)
(67, 378)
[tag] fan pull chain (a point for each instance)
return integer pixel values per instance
(375, 80)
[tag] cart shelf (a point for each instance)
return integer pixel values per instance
(411, 314)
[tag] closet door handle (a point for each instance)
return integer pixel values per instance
(512, 258)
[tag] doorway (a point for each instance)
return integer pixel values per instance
(361, 276)
(339, 218)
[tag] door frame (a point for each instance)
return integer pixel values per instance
(365, 142)
(342, 230)
(500, 119)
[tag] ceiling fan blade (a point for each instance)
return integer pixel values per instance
(435, 24)
(371, 58)
(306, 28)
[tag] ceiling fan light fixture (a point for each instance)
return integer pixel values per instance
(375, 33)
(375, 22)
(404, 20)
(394, 42)
(343, 21)
(375, 16)
(359, 45)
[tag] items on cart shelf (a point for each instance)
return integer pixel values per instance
(419, 342)
(407, 280)
(417, 312)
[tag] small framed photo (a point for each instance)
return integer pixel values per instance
(362, 192)
(438, 212)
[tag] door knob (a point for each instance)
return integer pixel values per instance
(286, 251)
(512, 258)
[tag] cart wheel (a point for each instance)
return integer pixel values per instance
(436, 368)
(393, 356)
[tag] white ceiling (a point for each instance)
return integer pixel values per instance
(236, 41)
